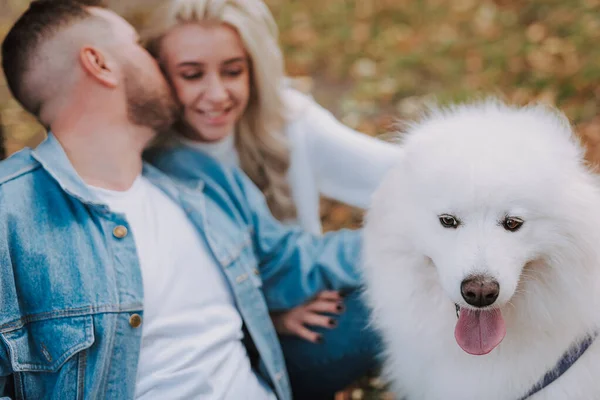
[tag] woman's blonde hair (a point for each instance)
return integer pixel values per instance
(262, 146)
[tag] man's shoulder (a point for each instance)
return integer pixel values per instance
(17, 166)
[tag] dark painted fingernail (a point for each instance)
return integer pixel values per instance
(320, 339)
(340, 307)
(332, 322)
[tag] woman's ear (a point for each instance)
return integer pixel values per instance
(96, 65)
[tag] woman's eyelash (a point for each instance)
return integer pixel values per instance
(234, 72)
(192, 76)
(198, 75)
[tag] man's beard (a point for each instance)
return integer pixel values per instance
(149, 104)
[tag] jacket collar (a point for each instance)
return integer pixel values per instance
(51, 155)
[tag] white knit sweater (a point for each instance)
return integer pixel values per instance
(327, 158)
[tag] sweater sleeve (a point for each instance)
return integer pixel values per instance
(348, 165)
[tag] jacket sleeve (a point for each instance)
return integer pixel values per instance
(347, 165)
(295, 265)
(5, 269)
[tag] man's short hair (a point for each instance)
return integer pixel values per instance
(42, 20)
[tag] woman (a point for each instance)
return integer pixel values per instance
(224, 64)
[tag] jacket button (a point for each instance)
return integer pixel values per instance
(135, 320)
(120, 232)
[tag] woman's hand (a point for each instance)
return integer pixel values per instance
(313, 313)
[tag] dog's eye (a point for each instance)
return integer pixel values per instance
(512, 224)
(449, 221)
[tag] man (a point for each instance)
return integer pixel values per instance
(117, 281)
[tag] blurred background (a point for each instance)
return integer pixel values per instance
(374, 62)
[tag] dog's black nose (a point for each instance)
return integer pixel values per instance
(479, 290)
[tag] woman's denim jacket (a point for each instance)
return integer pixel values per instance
(71, 295)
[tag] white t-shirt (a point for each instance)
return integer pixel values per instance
(191, 331)
(326, 158)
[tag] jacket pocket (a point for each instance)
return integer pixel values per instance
(48, 357)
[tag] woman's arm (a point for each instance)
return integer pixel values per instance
(348, 165)
(294, 265)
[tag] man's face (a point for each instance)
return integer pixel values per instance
(150, 101)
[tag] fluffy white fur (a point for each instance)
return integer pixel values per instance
(482, 162)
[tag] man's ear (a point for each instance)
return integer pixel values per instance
(96, 65)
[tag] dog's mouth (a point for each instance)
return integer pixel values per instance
(479, 331)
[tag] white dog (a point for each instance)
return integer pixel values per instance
(482, 250)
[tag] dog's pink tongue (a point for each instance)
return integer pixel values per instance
(479, 332)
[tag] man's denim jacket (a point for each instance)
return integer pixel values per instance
(71, 294)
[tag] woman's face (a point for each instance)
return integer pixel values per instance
(209, 70)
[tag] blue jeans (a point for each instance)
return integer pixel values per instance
(347, 353)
